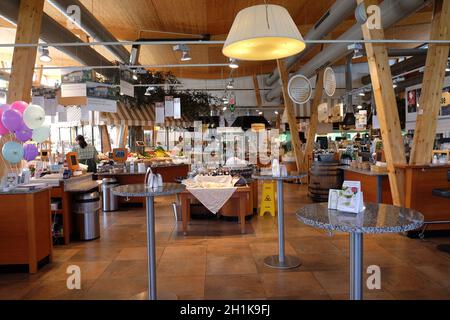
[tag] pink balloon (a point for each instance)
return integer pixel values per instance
(24, 134)
(30, 152)
(19, 106)
(12, 120)
(3, 129)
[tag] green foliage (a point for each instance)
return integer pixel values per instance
(193, 103)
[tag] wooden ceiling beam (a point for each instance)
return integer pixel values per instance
(24, 59)
(385, 100)
(433, 81)
(292, 120)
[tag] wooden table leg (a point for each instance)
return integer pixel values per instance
(185, 208)
(242, 210)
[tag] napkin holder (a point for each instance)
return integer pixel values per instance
(153, 180)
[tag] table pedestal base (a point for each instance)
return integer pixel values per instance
(289, 262)
(161, 296)
(356, 266)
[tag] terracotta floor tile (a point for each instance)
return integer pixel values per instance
(230, 264)
(293, 284)
(185, 288)
(239, 287)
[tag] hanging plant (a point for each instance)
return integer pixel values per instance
(193, 103)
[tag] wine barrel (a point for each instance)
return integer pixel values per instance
(324, 176)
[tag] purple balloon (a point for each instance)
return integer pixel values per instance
(24, 134)
(3, 130)
(30, 152)
(12, 120)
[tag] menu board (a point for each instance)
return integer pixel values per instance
(168, 106)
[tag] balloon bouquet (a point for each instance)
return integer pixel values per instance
(21, 128)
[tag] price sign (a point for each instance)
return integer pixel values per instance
(120, 154)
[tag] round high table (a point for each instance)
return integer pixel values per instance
(280, 261)
(375, 219)
(141, 190)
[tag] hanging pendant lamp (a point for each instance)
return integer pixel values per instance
(263, 32)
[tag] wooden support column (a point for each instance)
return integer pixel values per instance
(314, 119)
(257, 91)
(292, 120)
(24, 59)
(106, 141)
(433, 81)
(382, 84)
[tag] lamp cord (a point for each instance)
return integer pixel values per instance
(267, 14)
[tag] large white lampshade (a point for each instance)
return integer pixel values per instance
(263, 32)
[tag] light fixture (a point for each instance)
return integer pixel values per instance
(135, 77)
(357, 50)
(362, 94)
(230, 84)
(359, 107)
(263, 32)
(260, 113)
(186, 56)
(233, 64)
(44, 54)
(447, 69)
(394, 85)
(185, 51)
(224, 109)
(276, 112)
(149, 90)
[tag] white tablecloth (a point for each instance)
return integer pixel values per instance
(212, 191)
(212, 198)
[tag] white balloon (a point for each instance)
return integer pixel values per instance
(41, 134)
(34, 116)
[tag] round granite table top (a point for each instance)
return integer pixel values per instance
(289, 177)
(376, 218)
(141, 190)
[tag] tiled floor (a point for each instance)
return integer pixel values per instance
(216, 262)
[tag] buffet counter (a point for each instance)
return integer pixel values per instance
(419, 184)
(25, 228)
(375, 185)
(62, 191)
(169, 173)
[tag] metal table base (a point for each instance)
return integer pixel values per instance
(281, 261)
(356, 266)
(151, 248)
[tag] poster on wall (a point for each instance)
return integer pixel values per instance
(412, 101)
(169, 105)
(102, 97)
(126, 88)
(159, 112)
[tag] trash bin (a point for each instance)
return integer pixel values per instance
(109, 200)
(86, 208)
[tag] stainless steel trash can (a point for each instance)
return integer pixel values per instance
(110, 202)
(86, 208)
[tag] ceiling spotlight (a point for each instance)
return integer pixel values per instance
(230, 84)
(447, 69)
(357, 50)
(260, 113)
(135, 77)
(149, 90)
(362, 94)
(395, 85)
(233, 64)
(276, 112)
(44, 54)
(224, 109)
(359, 107)
(185, 51)
(186, 56)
